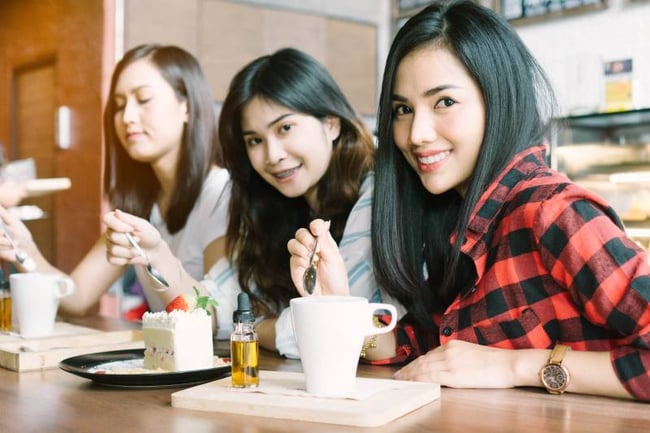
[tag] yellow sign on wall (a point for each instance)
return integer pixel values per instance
(618, 85)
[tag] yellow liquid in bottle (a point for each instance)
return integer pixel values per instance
(244, 360)
(5, 312)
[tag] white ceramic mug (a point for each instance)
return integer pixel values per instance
(330, 331)
(35, 301)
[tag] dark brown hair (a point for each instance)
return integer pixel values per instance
(132, 185)
(262, 220)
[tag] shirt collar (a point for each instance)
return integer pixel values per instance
(489, 205)
(497, 194)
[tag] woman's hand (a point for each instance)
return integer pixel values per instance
(118, 249)
(19, 232)
(11, 193)
(459, 364)
(332, 276)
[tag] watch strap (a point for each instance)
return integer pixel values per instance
(558, 353)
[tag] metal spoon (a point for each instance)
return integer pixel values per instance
(150, 270)
(309, 277)
(21, 256)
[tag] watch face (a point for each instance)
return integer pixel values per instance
(554, 377)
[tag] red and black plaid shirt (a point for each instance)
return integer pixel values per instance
(554, 266)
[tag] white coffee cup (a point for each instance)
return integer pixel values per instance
(330, 331)
(35, 301)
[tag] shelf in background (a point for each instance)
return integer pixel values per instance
(530, 11)
(609, 120)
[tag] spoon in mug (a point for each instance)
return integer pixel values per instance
(21, 256)
(150, 270)
(309, 277)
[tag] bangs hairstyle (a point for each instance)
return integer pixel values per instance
(262, 220)
(131, 185)
(519, 104)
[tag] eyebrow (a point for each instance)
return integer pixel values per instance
(427, 93)
(135, 89)
(270, 124)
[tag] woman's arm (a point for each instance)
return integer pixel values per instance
(120, 252)
(215, 251)
(459, 364)
(92, 276)
(607, 276)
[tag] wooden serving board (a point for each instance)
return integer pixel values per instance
(26, 354)
(396, 398)
(61, 329)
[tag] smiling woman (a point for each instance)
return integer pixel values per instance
(162, 171)
(512, 275)
(504, 264)
(296, 150)
(275, 139)
(439, 118)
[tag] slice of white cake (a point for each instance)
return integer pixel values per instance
(177, 341)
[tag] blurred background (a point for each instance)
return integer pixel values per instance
(56, 57)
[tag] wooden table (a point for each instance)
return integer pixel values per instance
(55, 401)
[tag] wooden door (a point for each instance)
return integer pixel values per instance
(34, 101)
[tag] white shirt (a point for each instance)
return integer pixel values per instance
(206, 222)
(355, 247)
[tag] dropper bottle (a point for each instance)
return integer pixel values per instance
(244, 346)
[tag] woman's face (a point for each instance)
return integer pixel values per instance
(149, 118)
(438, 118)
(290, 150)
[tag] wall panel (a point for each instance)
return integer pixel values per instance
(225, 35)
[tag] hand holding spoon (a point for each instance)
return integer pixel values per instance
(21, 256)
(157, 277)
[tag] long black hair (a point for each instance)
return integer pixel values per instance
(412, 227)
(262, 220)
(132, 185)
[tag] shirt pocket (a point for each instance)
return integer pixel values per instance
(522, 332)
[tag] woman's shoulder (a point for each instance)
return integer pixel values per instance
(217, 176)
(367, 184)
(216, 182)
(215, 190)
(549, 194)
(547, 184)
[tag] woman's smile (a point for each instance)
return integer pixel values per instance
(287, 175)
(429, 161)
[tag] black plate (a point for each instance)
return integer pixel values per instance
(87, 365)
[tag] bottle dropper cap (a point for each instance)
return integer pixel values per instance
(243, 312)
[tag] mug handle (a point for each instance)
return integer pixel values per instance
(64, 287)
(393, 318)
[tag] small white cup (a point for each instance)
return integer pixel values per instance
(330, 331)
(35, 301)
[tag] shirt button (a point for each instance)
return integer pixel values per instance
(447, 331)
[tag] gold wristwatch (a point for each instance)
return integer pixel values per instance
(554, 376)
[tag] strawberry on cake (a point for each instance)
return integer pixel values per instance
(179, 338)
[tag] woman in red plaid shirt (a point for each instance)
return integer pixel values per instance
(503, 264)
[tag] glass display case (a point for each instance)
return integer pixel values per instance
(609, 153)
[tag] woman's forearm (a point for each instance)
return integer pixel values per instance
(589, 372)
